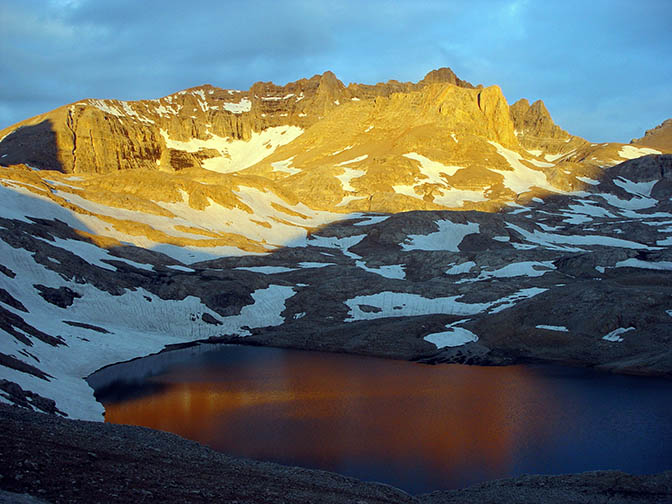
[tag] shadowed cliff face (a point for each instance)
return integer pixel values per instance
(33, 145)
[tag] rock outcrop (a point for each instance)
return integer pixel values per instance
(659, 137)
(536, 130)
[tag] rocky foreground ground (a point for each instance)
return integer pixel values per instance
(45, 458)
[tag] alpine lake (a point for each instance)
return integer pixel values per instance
(414, 426)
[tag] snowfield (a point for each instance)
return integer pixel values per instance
(236, 155)
(137, 323)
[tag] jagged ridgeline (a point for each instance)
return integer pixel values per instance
(425, 220)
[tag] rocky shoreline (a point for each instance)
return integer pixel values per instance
(59, 460)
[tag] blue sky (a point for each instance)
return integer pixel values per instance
(603, 68)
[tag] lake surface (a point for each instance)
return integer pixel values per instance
(414, 426)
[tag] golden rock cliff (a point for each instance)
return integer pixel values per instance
(659, 137)
(100, 136)
(287, 153)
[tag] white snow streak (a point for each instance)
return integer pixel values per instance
(354, 160)
(553, 328)
(615, 335)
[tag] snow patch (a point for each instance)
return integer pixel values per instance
(448, 237)
(642, 189)
(237, 155)
(309, 264)
(552, 157)
(460, 269)
(635, 203)
(341, 150)
(266, 270)
(522, 268)
(631, 152)
(586, 208)
(347, 176)
(92, 254)
(354, 160)
(522, 178)
(433, 170)
(433, 173)
(540, 164)
(403, 304)
(277, 98)
(553, 328)
(589, 181)
(615, 335)
(510, 301)
(181, 268)
(374, 219)
(342, 244)
(395, 271)
(244, 105)
(452, 337)
(347, 199)
(285, 166)
(638, 263)
(548, 239)
(107, 106)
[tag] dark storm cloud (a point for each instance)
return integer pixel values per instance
(601, 67)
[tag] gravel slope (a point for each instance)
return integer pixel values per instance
(59, 460)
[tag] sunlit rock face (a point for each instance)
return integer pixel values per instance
(659, 137)
(421, 220)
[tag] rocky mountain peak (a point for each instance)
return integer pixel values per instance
(444, 75)
(535, 127)
(330, 87)
(538, 109)
(329, 80)
(533, 119)
(659, 137)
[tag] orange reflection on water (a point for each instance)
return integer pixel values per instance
(323, 409)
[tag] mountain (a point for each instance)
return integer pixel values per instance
(426, 221)
(659, 137)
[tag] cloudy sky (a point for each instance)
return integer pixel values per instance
(602, 67)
